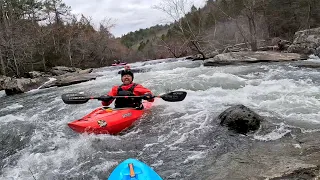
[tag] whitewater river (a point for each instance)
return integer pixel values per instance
(180, 140)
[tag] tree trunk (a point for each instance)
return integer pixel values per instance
(215, 28)
(309, 14)
(15, 61)
(253, 32)
(4, 21)
(69, 52)
(44, 62)
(3, 66)
(195, 44)
(169, 49)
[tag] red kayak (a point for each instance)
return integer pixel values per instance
(105, 120)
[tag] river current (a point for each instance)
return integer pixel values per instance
(177, 139)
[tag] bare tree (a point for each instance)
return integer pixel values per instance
(3, 65)
(190, 30)
(10, 15)
(252, 10)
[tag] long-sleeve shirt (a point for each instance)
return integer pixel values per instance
(139, 90)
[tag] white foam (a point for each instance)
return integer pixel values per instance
(296, 146)
(274, 135)
(64, 151)
(287, 98)
(11, 117)
(195, 155)
(313, 58)
(51, 79)
(12, 107)
(157, 163)
(149, 145)
(2, 93)
(103, 167)
(289, 94)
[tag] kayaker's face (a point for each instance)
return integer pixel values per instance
(126, 79)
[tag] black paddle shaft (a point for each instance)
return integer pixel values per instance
(75, 98)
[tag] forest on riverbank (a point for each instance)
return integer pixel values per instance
(41, 34)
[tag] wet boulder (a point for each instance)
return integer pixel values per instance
(70, 79)
(241, 119)
(75, 79)
(16, 86)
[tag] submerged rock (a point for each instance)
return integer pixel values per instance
(241, 119)
(303, 173)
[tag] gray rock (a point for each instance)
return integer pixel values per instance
(212, 54)
(251, 57)
(69, 79)
(317, 53)
(60, 70)
(75, 79)
(302, 173)
(16, 86)
(241, 119)
(307, 64)
(306, 42)
(3, 80)
(307, 36)
(35, 74)
(86, 71)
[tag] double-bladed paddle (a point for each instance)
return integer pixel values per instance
(75, 98)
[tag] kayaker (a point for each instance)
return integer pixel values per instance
(128, 88)
(117, 61)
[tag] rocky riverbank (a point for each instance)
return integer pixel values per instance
(305, 43)
(57, 76)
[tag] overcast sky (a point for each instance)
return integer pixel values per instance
(127, 15)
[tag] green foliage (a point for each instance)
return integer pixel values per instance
(133, 38)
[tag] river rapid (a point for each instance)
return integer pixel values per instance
(180, 140)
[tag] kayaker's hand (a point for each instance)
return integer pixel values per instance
(105, 98)
(147, 96)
